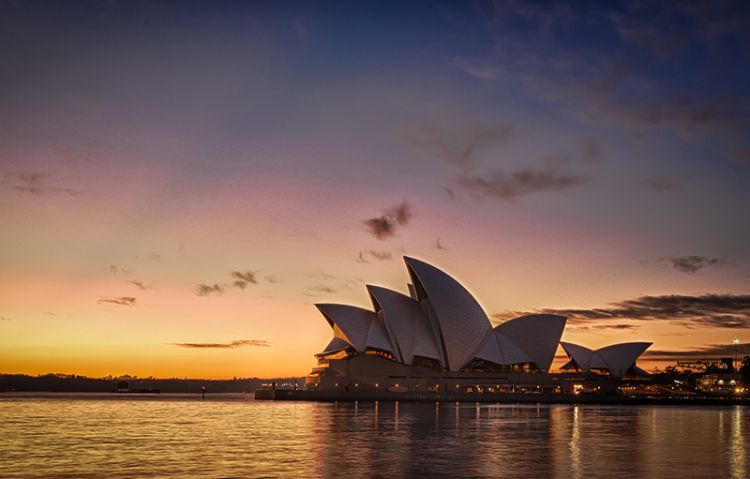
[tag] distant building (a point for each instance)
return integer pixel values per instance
(440, 339)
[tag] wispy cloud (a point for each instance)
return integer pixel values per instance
(366, 256)
(384, 226)
(139, 285)
(118, 300)
(238, 279)
(38, 184)
(231, 345)
(4, 318)
(693, 263)
(439, 244)
(729, 311)
(520, 183)
(114, 269)
(206, 289)
(457, 148)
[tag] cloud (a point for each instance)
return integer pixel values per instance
(230, 345)
(709, 310)
(139, 285)
(458, 148)
(4, 318)
(118, 300)
(727, 311)
(206, 289)
(384, 226)
(693, 263)
(439, 245)
(114, 269)
(604, 326)
(374, 255)
(712, 351)
(520, 183)
(319, 288)
(271, 278)
(37, 184)
(242, 279)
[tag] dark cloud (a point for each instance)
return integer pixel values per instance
(139, 285)
(230, 345)
(728, 311)
(385, 226)
(604, 326)
(520, 183)
(457, 148)
(713, 351)
(241, 279)
(118, 300)
(37, 184)
(660, 185)
(206, 289)
(693, 263)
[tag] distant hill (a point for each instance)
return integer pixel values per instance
(72, 383)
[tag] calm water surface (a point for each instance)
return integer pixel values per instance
(97, 436)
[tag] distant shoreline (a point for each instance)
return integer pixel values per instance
(80, 384)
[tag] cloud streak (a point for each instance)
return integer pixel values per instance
(458, 149)
(520, 183)
(37, 184)
(231, 345)
(118, 300)
(693, 263)
(728, 311)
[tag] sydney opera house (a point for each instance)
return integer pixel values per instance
(439, 341)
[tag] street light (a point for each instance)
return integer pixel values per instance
(736, 342)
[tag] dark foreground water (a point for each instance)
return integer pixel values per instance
(111, 436)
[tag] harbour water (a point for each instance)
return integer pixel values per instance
(94, 436)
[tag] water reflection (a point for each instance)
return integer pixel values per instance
(172, 437)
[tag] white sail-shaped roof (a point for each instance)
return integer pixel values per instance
(511, 353)
(581, 355)
(616, 358)
(336, 345)
(406, 323)
(490, 350)
(620, 357)
(350, 323)
(537, 335)
(463, 324)
(378, 336)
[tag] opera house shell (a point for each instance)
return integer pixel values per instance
(439, 337)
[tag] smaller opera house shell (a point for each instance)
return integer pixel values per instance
(440, 339)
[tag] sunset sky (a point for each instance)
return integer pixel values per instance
(181, 181)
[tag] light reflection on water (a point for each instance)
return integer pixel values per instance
(231, 436)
